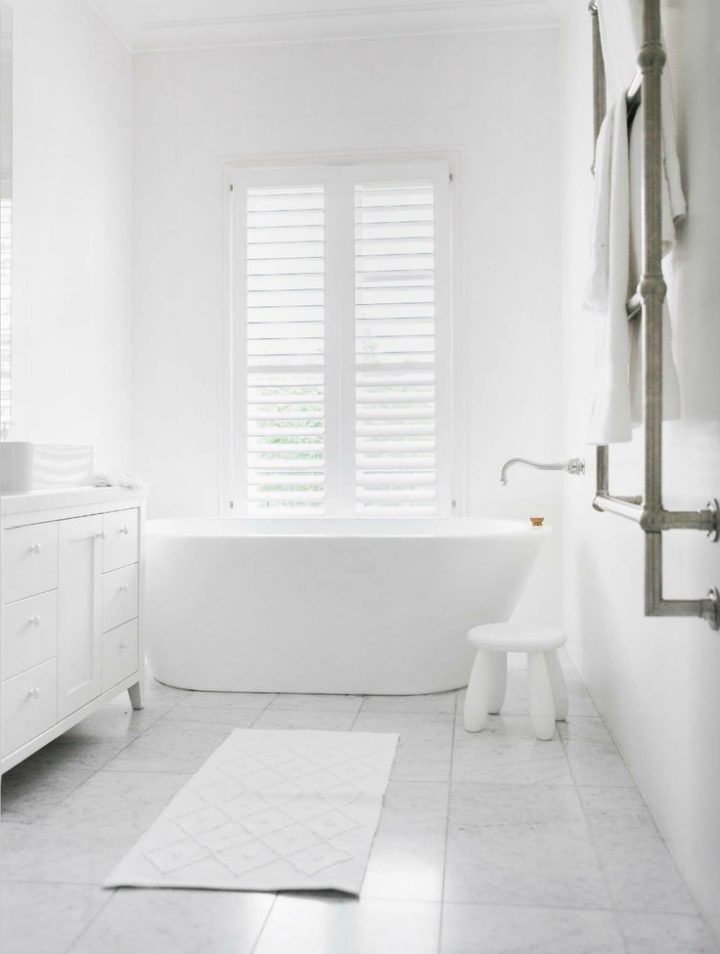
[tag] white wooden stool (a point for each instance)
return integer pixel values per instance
(486, 689)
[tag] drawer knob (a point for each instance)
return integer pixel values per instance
(124, 587)
(34, 693)
(125, 529)
(102, 535)
(36, 548)
(124, 644)
(34, 621)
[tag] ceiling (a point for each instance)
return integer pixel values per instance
(145, 25)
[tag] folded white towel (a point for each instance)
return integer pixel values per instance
(615, 272)
(118, 478)
(607, 289)
(616, 236)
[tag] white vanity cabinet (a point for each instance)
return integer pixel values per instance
(71, 588)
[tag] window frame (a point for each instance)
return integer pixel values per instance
(339, 177)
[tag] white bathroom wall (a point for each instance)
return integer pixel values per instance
(654, 681)
(490, 100)
(72, 229)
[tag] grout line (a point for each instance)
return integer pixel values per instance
(447, 822)
(90, 923)
(591, 838)
(356, 717)
(262, 711)
(264, 925)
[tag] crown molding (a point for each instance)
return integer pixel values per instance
(346, 21)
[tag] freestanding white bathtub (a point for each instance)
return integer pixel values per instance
(347, 606)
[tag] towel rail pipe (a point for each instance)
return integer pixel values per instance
(602, 454)
(630, 507)
(648, 511)
(652, 284)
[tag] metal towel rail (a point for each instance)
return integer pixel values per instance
(647, 306)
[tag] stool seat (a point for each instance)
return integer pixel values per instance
(516, 637)
(486, 689)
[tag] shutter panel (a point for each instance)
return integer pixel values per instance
(285, 350)
(395, 358)
(5, 312)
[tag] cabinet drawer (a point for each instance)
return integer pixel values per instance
(120, 653)
(29, 561)
(29, 633)
(29, 706)
(120, 543)
(120, 596)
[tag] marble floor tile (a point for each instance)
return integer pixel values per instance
(176, 922)
(114, 722)
(544, 839)
(229, 700)
(424, 748)
(35, 787)
(171, 746)
(432, 702)
(665, 934)
(318, 702)
(38, 918)
(489, 929)
(507, 751)
(593, 756)
(234, 718)
(408, 853)
(90, 831)
(521, 844)
(337, 721)
(13, 829)
(299, 925)
(640, 871)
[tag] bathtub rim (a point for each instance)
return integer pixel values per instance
(342, 529)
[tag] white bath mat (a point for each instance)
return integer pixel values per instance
(270, 811)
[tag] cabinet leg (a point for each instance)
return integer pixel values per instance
(136, 694)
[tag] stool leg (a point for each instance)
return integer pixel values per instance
(477, 698)
(542, 707)
(499, 682)
(557, 681)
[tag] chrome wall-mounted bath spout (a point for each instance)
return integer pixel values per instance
(573, 466)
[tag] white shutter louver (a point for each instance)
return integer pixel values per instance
(285, 350)
(395, 405)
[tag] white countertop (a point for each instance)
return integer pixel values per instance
(66, 497)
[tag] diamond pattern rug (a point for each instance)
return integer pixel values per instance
(270, 811)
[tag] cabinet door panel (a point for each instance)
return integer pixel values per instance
(79, 613)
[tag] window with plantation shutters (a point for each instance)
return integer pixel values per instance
(340, 285)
